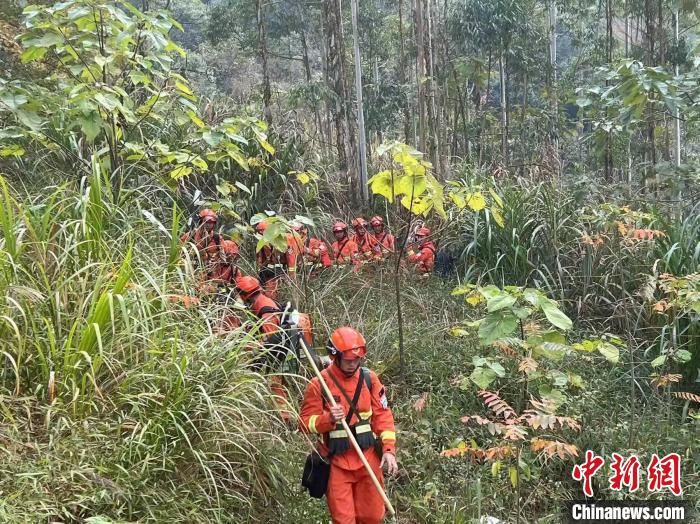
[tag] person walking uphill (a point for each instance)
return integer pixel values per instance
(361, 401)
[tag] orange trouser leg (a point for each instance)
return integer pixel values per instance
(281, 395)
(340, 496)
(352, 497)
(369, 506)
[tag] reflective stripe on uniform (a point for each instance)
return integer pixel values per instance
(274, 266)
(338, 434)
(364, 415)
(363, 428)
(312, 423)
(388, 435)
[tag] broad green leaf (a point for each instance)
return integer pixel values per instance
(555, 352)
(483, 377)
(196, 120)
(558, 378)
(555, 316)
(513, 474)
(410, 185)
(476, 201)
(496, 198)
(180, 172)
(683, 356)
(496, 468)
(497, 368)
(658, 361)
(266, 146)
(12, 150)
(555, 395)
(497, 325)
(13, 99)
(381, 184)
(500, 302)
(91, 125)
(29, 119)
(610, 352)
(498, 217)
(458, 332)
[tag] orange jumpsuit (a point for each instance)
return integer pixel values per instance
(316, 252)
(424, 259)
(271, 265)
(207, 248)
(345, 251)
(273, 335)
(383, 244)
(364, 245)
(352, 497)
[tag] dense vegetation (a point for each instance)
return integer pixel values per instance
(553, 150)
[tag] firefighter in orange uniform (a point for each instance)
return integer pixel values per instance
(314, 250)
(361, 401)
(383, 242)
(271, 262)
(224, 271)
(204, 237)
(363, 239)
(422, 253)
(344, 248)
(275, 339)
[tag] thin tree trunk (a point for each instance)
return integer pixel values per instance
(267, 91)
(402, 78)
(677, 113)
(307, 71)
(362, 149)
(420, 74)
(504, 113)
(483, 110)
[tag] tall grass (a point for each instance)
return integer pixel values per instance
(114, 399)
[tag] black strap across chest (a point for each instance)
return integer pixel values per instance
(356, 396)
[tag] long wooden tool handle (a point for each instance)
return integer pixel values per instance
(354, 443)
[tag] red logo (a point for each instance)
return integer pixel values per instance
(661, 473)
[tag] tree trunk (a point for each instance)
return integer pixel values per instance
(402, 79)
(362, 149)
(677, 113)
(309, 78)
(504, 113)
(420, 74)
(554, 82)
(483, 110)
(267, 91)
(345, 137)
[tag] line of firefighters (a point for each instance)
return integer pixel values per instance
(350, 492)
(363, 246)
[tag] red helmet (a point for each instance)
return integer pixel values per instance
(359, 222)
(376, 221)
(207, 215)
(347, 342)
(230, 248)
(247, 286)
(423, 231)
(261, 226)
(340, 226)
